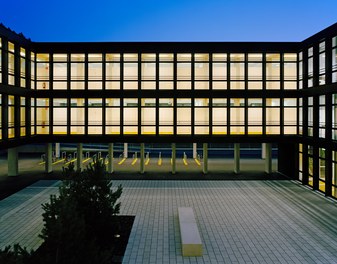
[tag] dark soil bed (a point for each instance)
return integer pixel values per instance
(118, 241)
(126, 223)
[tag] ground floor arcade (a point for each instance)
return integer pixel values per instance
(137, 157)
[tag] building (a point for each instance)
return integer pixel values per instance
(283, 93)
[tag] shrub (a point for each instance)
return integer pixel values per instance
(80, 223)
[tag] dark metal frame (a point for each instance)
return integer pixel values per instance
(174, 47)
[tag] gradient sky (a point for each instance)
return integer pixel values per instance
(168, 20)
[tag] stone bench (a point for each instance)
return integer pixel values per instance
(190, 237)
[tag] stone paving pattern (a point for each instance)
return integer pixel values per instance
(239, 221)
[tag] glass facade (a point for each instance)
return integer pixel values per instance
(201, 92)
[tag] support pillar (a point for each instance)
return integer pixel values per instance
(57, 150)
(236, 158)
(110, 158)
(194, 150)
(263, 151)
(268, 164)
(49, 158)
(79, 161)
(205, 158)
(125, 153)
(13, 162)
(142, 163)
(173, 159)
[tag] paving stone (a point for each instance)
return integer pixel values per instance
(239, 221)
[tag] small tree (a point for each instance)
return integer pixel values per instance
(80, 223)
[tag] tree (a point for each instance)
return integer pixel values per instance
(79, 223)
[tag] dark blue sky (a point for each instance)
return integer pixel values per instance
(168, 20)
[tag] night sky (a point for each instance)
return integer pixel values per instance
(168, 20)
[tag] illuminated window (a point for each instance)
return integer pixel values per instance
(322, 168)
(166, 116)
(334, 59)
(254, 118)
(300, 70)
(60, 71)
(184, 116)
(310, 66)
(219, 71)
(272, 116)
(300, 162)
(148, 71)
(42, 115)
(60, 116)
(321, 116)
(201, 116)
(95, 116)
(112, 115)
(42, 71)
(148, 116)
(130, 116)
(321, 63)
(219, 116)
(237, 116)
(11, 64)
(310, 165)
(290, 115)
(310, 114)
(77, 116)
(11, 115)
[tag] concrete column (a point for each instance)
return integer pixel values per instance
(194, 150)
(263, 151)
(125, 153)
(13, 162)
(205, 158)
(49, 158)
(57, 150)
(173, 158)
(236, 157)
(268, 162)
(79, 161)
(142, 163)
(110, 158)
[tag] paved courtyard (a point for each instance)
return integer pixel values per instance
(239, 221)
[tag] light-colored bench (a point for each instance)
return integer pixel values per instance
(190, 237)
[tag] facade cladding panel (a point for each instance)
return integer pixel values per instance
(284, 93)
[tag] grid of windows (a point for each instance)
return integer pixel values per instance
(139, 116)
(147, 71)
(196, 92)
